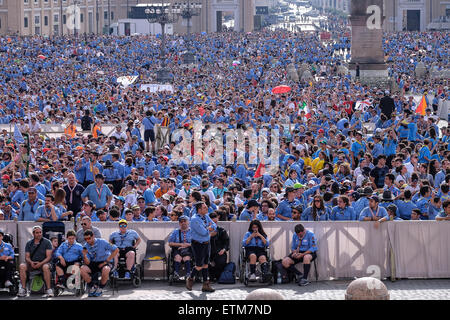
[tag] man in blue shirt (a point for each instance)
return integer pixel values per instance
(251, 212)
(97, 254)
(201, 227)
(127, 241)
(180, 242)
(284, 210)
(149, 134)
(99, 193)
(68, 253)
(374, 211)
(304, 250)
(29, 207)
(6, 259)
(47, 212)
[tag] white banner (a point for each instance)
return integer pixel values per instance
(126, 80)
(156, 87)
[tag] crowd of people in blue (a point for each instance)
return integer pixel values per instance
(330, 167)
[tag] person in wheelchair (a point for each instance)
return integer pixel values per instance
(6, 261)
(255, 243)
(38, 254)
(68, 253)
(127, 241)
(304, 249)
(97, 254)
(180, 242)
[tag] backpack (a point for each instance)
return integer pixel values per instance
(85, 123)
(227, 275)
(279, 271)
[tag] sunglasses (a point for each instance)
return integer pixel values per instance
(84, 224)
(122, 225)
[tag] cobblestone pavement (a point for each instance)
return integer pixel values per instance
(435, 289)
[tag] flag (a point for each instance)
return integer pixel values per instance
(422, 106)
(18, 135)
(304, 107)
(260, 170)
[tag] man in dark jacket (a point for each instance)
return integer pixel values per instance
(220, 244)
(387, 105)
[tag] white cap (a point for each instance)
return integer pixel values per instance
(209, 169)
(312, 182)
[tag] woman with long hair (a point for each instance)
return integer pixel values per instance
(60, 203)
(316, 211)
(255, 242)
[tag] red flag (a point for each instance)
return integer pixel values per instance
(422, 106)
(260, 170)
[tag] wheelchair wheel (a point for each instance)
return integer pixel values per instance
(246, 282)
(14, 289)
(170, 280)
(136, 282)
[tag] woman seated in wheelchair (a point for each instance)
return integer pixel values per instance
(68, 253)
(255, 243)
(180, 242)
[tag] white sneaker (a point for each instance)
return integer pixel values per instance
(8, 284)
(252, 277)
(49, 293)
(22, 292)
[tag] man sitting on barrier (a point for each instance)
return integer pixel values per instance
(38, 253)
(180, 242)
(127, 241)
(97, 254)
(68, 253)
(304, 249)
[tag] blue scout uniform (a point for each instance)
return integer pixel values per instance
(100, 250)
(70, 253)
(28, 209)
(379, 213)
(97, 195)
(338, 214)
(255, 242)
(123, 240)
(308, 243)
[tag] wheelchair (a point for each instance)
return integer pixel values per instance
(244, 270)
(135, 273)
(171, 269)
(73, 282)
(15, 278)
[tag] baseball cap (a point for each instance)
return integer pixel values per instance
(289, 189)
(183, 217)
(321, 131)
(123, 221)
(298, 186)
(89, 203)
(135, 207)
(5, 177)
(375, 198)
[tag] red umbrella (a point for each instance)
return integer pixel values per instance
(41, 57)
(281, 89)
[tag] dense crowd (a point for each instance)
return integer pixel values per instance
(330, 166)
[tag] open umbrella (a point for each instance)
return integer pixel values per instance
(281, 89)
(41, 56)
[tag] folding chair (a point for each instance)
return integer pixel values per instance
(155, 251)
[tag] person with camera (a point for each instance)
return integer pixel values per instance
(255, 242)
(97, 254)
(304, 250)
(201, 228)
(127, 241)
(180, 242)
(220, 245)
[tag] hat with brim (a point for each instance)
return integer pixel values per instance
(298, 186)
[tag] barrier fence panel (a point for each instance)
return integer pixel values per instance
(421, 248)
(345, 249)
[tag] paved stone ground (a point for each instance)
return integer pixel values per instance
(435, 289)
